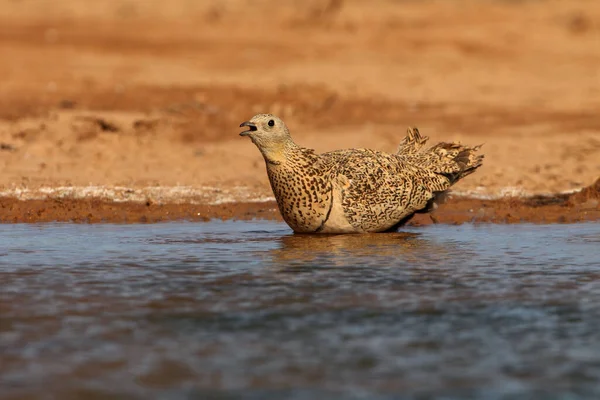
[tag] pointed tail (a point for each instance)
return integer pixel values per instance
(450, 160)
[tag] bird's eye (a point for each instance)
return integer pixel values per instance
(271, 122)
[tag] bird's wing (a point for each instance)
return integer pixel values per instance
(378, 190)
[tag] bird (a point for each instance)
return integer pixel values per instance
(356, 190)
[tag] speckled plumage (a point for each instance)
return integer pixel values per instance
(356, 190)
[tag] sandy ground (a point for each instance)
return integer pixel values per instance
(121, 103)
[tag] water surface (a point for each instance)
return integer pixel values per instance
(248, 310)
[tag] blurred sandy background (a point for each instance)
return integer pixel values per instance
(117, 95)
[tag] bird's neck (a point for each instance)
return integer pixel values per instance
(279, 153)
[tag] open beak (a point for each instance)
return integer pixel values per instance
(251, 128)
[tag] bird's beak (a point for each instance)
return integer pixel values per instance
(251, 128)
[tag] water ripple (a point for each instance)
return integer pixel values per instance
(248, 310)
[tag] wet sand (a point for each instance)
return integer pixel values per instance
(578, 207)
(128, 112)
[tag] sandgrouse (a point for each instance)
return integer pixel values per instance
(356, 190)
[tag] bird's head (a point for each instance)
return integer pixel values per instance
(269, 134)
(265, 128)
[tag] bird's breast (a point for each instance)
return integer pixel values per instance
(304, 197)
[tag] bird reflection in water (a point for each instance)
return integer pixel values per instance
(410, 261)
(337, 250)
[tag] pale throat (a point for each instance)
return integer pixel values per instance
(277, 152)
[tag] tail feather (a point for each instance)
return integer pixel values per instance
(412, 143)
(452, 160)
(441, 165)
(436, 168)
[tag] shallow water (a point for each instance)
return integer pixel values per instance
(248, 310)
